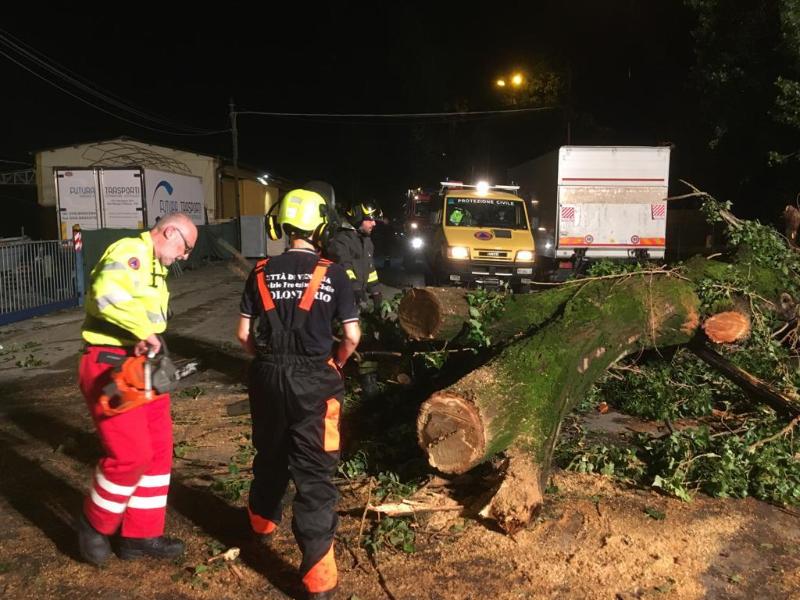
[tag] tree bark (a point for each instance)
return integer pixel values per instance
(439, 314)
(517, 400)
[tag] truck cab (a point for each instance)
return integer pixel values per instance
(481, 236)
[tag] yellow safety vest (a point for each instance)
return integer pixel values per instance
(128, 297)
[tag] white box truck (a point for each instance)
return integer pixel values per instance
(597, 202)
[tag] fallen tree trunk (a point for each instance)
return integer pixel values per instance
(439, 314)
(516, 401)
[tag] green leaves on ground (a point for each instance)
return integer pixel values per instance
(392, 534)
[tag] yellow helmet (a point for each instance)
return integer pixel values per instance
(301, 211)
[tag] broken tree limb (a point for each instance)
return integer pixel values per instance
(516, 401)
(408, 507)
(780, 402)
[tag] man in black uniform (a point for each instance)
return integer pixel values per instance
(352, 248)
(295, 383)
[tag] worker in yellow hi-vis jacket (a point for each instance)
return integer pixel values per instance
(126, 309)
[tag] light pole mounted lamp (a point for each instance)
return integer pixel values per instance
(516, 80)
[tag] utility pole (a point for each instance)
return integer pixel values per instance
(235, 141)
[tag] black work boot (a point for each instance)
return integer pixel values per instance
(326, 595)
(157, 547)
(262, 540)
(94, 546)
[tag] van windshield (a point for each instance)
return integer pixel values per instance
(485, 212)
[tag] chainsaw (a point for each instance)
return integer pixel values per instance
(137, 380)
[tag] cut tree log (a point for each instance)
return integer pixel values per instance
(517, 400)
(727, 327)
(439, 314)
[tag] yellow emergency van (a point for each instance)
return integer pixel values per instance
(481, 236)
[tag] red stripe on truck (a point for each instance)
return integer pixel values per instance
(612, 179)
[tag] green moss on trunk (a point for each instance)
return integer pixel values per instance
(522, 395)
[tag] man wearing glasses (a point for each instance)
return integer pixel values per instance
(126, 309)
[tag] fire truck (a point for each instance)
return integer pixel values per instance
(417, 225)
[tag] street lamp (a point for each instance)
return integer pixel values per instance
(515, 79)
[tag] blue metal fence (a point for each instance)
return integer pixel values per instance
(36, 278)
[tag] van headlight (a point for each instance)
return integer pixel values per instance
(458, 252)
(417, 243)
(524, 256)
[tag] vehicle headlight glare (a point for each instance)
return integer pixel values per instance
(459, 252)
(525, 255)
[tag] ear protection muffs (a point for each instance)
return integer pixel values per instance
(322, 234)
(274, 230)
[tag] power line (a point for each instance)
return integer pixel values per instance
(424, 115)
(123, 106)
(88, 86)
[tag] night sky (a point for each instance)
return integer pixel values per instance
(626, 64)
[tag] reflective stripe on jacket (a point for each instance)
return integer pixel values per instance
(128, 297)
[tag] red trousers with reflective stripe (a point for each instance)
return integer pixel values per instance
(130, 483)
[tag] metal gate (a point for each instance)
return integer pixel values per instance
(36, 278)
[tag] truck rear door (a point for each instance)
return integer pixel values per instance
(611, 200)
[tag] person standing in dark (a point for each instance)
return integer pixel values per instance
(295, 383)
(352, 248)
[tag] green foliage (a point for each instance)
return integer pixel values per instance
(180, 449)
(193, 392)
(606, 267)
(747, 66)
(722, 464)
(684, 386)
(391, 533)
(198, 575)
(354, 467)
(765, 247)
(389, 488)
(30, 361)
(382, 325)
(234, 485)
(388, 308)
(435, 359)
(485, 306)
(489, 303)
(613, 461)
